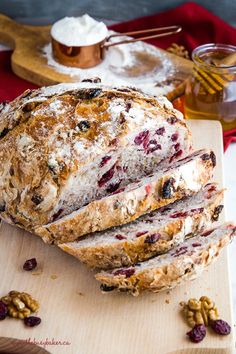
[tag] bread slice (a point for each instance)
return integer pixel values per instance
(67, 145)
(186, 261)
(180, 179)
(151, 234)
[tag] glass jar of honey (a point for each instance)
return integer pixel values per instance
(211, 91)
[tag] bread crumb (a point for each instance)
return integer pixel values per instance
(79, 293)
(38, 272)
(54, 276)
(167, 301)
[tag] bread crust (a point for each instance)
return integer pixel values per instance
(188, 176)
(127, 252)
(175, 272)
(43, 148)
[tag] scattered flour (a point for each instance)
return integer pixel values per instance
(119, 61)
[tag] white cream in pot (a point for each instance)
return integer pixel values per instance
(79, 31)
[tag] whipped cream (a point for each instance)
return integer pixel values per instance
(79, 31)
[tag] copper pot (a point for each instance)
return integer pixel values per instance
(92, 55)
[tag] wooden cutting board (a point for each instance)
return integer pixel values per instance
(74, 310)
(29, 63)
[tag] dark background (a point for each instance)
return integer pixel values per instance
(47, 11)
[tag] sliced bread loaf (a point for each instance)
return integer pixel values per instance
(186, 261)
(67, 145)
(151, 234)
(180, 179)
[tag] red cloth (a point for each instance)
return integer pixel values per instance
(11, 85)
(199, 27)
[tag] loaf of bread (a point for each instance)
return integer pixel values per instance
(175, 181)
(164, 272)
(151, 234)
(81, 158)
(65, 146)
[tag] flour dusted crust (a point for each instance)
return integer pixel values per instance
(164, 272)
(151, 234)
(59, 145)
(176, 181)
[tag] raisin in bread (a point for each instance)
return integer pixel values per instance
(67, 145)
(151, 234)
(178, 180)
(186, 261)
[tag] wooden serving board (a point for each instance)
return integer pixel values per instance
(29, 63)
(74, 310)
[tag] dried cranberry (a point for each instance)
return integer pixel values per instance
(94, 80)
(197, 333)
(3, 311)
(124, 89)
(196, 210)
(104, 160)
(160, 131)
(83, 126)
(37, 199)
(207, 233)
(205, 157)
(153, 146)
(180, 214)
(56, 215)
(221, 327)
(128, 106)
(213, 158)
(11, 171)
(88, 94)
(140, 139)
(32, 321)
(141, 233)
(180, 251)
(120, 237)
(3, 104)
(146, 142)
(114, 142)
(106, 288)
(168, 188)
(172, 120)
(4, 132)
(2, 207)
(148, 189)
(217, 212)
(164, 209)
(177, 147)
(113, 187)
(127, 272)
(119, 191)
(30, 264)
(212, 188)
(152, 238)
(107, 176)
(149, 221)
(176, 155)
(210, 156)
(122, 119)
(174, 136)
(196, 244)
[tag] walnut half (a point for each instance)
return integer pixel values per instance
(20, 304)
(201, 311)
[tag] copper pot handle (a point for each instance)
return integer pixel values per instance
(167, 31)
